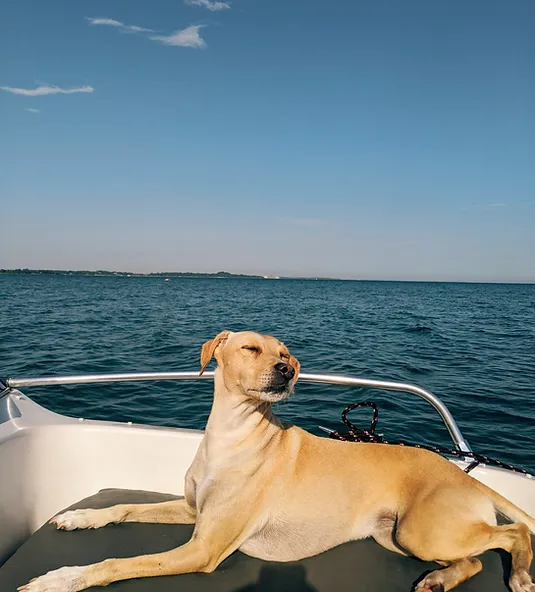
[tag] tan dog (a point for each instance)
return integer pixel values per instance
(279, 493)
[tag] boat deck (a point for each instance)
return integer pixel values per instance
(361, 565)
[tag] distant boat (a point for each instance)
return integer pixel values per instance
(166, 279)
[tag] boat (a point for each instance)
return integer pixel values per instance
(50, 462)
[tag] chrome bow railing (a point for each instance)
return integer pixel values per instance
(460, 442)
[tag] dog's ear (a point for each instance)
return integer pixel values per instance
(208, 348)
(294, 363)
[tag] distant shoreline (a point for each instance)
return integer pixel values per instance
(155, 274)
(106, 273)
(238, 276)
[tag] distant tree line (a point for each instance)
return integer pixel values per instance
(103, 272)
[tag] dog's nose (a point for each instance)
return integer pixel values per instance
(286, 370)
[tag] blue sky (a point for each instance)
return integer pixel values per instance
(352, 138)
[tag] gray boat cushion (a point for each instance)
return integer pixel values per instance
(361, 566)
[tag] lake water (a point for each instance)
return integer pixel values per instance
(471, 344)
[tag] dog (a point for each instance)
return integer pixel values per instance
(278, 493)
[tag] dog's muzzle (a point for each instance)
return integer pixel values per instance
(275, 383)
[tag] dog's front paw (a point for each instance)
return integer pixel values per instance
(88, 518)
(65, 579)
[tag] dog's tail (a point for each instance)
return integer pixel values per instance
(507, 508)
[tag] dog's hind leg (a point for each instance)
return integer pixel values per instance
(515, 539)
(435, 530)
(172, 512)
(456, 572)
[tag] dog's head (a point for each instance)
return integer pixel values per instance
(258, 366)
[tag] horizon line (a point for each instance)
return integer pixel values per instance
(234, 275)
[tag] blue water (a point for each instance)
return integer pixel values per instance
(471, 344)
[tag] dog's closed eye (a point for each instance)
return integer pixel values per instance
(252, 348)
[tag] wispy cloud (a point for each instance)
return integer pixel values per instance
(496, 205)
(188, 37)
(209, 4)
(33, 110)
(47, 90)
(118, 25)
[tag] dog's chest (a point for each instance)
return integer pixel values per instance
(207, 481)
(216, 487)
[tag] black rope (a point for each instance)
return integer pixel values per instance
(355, 434)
